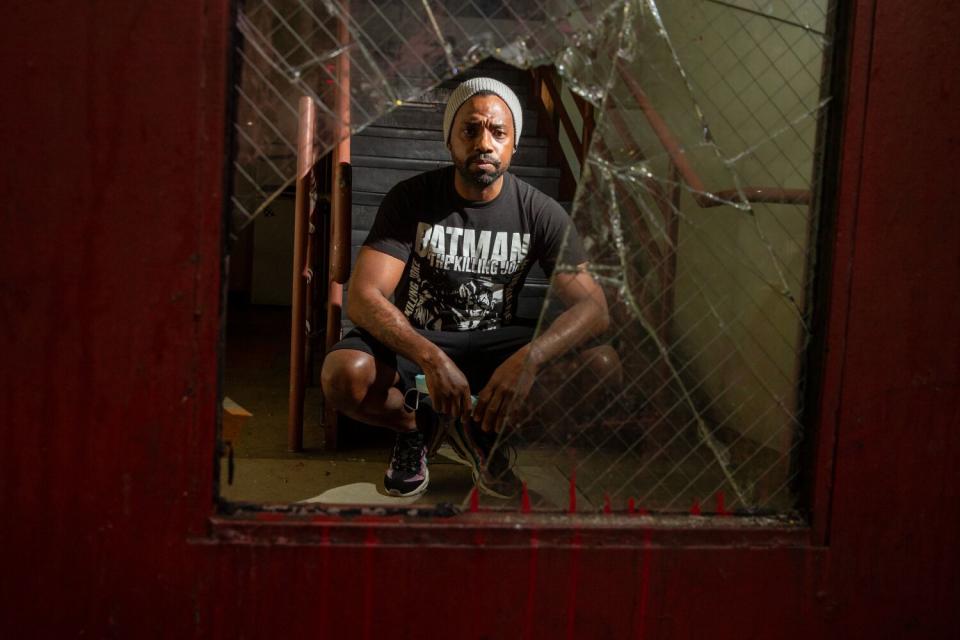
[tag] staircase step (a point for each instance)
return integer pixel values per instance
(362, 216)
(494, 69)
(522, 89)
(519, 80)
(367, 198)
(439, 94)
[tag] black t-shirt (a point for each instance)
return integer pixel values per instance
(466, 261)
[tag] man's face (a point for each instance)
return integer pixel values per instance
(481, 140)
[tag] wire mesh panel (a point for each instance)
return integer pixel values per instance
(395, 51)
(695, 207)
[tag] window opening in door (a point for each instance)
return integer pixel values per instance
(684, 141)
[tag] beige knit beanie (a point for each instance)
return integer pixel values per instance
(474, 86)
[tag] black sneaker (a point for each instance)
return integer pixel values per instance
(408, 474)
(492, 465)
(432, 425)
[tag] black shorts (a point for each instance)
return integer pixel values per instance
(476, 353)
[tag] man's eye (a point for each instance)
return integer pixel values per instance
(500, 133)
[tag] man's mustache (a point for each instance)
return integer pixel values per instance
(482, 158)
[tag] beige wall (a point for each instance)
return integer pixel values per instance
(738, 332)
(752, 77)
(273, 253)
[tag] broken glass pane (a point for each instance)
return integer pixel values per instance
(695, 200)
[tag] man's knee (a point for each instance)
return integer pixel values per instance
(346, 378)
(604, 363)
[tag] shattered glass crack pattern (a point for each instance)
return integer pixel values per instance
(696, 205)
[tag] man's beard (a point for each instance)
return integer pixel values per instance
(478, 176)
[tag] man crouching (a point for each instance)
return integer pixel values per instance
(453, 247)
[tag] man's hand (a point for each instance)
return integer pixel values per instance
(586, 315)
(375, 277)
(449, 389)
(510, 383)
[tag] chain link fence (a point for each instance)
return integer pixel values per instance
(696, 205)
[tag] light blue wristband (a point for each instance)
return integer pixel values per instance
(421, 381)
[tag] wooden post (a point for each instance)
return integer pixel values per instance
(305, 132)
(339, 252)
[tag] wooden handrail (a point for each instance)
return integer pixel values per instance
(340, 220)
(769, 195)
(334, 271)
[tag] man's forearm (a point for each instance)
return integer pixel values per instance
(586, 318)
(385, 322)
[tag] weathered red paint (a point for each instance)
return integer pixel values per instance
(532, 570)
(112, 194)
(721, 503)
(268, 516)
(573, 579)
(643, 592)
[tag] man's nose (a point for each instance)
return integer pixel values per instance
(484, 142)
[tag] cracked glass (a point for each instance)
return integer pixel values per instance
(693, 133)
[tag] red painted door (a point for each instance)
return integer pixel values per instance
(113, 132)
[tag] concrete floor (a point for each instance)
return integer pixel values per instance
(344, 479)
(256, 377)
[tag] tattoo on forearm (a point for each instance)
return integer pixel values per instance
(386, 323)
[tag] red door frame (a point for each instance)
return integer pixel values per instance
(109, 324)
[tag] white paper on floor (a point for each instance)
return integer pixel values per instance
(359, 493)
